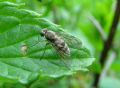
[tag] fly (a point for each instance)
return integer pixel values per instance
(61, 42)
(56, 41)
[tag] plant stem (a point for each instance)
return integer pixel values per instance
(108, 42)
(108, 63)
(98, 26)
(113, 29)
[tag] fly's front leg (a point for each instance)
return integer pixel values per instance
(44, 51)
(38, 41)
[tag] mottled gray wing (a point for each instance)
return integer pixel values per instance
(63, 57)
(72, 41)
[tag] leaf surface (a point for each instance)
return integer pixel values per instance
(19, 30)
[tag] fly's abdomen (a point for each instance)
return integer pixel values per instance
(62, 46)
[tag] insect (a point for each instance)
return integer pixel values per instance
(56, 41)
(61, 42)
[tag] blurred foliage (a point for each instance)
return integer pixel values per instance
(74, 15)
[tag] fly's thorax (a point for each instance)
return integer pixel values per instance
(50, 35)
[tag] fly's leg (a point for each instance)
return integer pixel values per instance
(62, 58)
(58, 54)
(65, 63)
(36, 42)
(44, 51)
(61, 55)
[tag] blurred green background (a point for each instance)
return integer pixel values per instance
(84, 19)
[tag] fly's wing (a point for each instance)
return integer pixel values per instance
(72, 41)
(63, 57)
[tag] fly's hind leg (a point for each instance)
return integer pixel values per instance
(62, 57)
(63, 60)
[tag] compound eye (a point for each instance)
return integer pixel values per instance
(42, 33)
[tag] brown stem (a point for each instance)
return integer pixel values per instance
(108, 43)
(113, 29)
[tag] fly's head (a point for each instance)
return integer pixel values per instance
(43, 32)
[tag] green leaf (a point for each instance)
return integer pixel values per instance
(19, 30)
